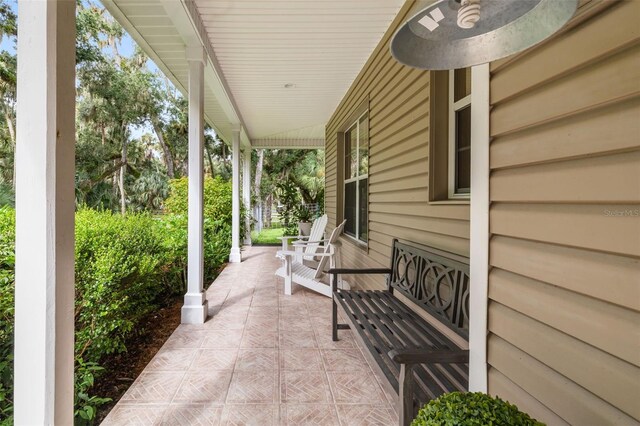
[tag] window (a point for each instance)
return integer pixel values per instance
(356, 179)
(459, 133)
(450, 136)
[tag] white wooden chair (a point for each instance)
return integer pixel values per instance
(311, 242)
(314, 279)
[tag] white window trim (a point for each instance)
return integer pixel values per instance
(455, 106)
(355, 179)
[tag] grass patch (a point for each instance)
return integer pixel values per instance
(267, 236)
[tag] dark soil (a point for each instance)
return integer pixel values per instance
(122, 369)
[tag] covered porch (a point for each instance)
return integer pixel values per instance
(262, 358)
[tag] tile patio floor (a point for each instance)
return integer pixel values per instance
(262, 358)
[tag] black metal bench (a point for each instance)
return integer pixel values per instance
(418, 359)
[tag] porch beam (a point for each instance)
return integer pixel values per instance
(45, 203)
(235, 255)
(195, 308)
(246, 193)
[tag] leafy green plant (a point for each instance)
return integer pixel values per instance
(118, 259)
(7, 278)
(303, 214)
(86, 406)
(471, 409)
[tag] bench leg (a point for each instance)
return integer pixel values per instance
(334, 321)
(405, 395)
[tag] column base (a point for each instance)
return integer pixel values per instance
(235, 256)
(247, 242)
(194, 314)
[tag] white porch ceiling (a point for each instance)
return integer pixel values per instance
(256, 47)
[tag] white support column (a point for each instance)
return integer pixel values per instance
(195, 308)
(45, 202)
(235, 256)
(479, 246)
(246, 193)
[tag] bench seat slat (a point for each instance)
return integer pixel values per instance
(350, 308)
(387, 334)
(383, 315)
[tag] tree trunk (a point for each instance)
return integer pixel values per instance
(256, 187)
(206, 148)
(123, 196)
(168, 156)
(267, 211)
(12, 135)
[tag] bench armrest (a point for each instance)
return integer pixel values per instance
(348, 271)
(429, 356)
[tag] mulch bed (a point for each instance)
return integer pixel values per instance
(122, 369)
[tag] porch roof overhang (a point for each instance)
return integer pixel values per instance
(257, 47)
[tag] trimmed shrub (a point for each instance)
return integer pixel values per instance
(217, 223)
(118, 263)
(471, 409)
(7, 266)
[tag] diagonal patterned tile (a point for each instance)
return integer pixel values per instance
(344, 360)
(205, 387)
(250, 415)
(192, 415)
(259, 339)
(214, 359)
(171, 359)
(257, 359)
(308, 414)
(262, 322)
(300, 359)
(185, 338)
(154, 387)
(325, 338)
(366, 415)
(297, 339)
(295, 323)
(354, 388)
(222, 338)
(253, 387)
(134, 415)
(304, 386)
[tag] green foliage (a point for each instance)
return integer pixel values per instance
(126, 266)
(289, 198)
(471, 409)
(303, 214)
(117, 263)
(217, 223)
(86, 405)
(7, 266)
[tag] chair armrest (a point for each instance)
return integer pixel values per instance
(288, 237)
(348, 271)
(285, 253)
(430, 356)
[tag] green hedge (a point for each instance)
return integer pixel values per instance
(471, 409)
(126, 267)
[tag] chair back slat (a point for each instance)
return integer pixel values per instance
(317, 230)
(329, 246)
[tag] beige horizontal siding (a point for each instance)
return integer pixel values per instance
(564, 289)
(399, 128)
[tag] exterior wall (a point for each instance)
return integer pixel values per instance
(399, 207)
(564, 288)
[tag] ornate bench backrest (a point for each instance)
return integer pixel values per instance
(435, 280)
